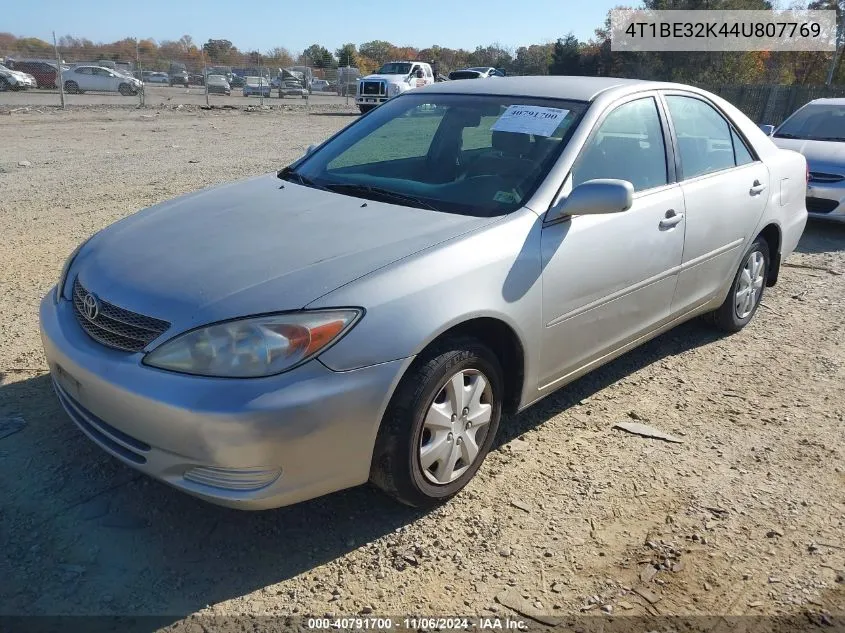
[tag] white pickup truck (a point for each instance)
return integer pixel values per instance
(392, 79)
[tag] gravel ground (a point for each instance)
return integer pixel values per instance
(746, 516)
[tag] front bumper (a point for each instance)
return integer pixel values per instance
(370, 99)
(243, 443)
(826, 200)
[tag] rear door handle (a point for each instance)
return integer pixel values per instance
(756, 188)
(671, 219)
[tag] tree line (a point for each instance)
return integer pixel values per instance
(566, 56)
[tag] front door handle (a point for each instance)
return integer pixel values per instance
(756, 188)
(671, 219)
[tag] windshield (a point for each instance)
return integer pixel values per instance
(468, 154)
(821, 122)
(394, 69)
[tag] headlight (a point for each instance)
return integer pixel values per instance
(394, 89)
(253, 347)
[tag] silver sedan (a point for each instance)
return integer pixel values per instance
(817, 130)
(370, 312)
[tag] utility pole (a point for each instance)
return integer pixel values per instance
(59, 79)
(141, 98)
(837, 51)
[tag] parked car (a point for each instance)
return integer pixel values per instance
(256, 86)
(157, 78)
(292, 87)
(391, 80)
(372, 315)
(817, 130)
(44, 73)
(196, 79)
(475, 73)
(15, 80)
(180, 78)
(236, 81)
(319, 85)
(97, 78)
(217, 84)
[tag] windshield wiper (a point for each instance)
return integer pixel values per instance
(785, 135)
(828, 138)
(292, 175)
(378, 192)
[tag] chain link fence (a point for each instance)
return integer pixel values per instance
(214, 74)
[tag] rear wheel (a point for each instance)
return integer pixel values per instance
(71, 87)
(747, 289)
(4, 84)
(440, 423)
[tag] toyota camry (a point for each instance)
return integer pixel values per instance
(373, 310)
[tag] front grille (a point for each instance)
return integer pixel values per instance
(373, 88)
(115, 327)
(821, 205)
(818, 176)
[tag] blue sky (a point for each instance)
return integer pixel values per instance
(264, 24)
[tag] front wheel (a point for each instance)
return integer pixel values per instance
(746, 292)
(125, 89)
(365, 108)
(440, 423)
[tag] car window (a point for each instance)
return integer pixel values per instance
(417, 130)
(84, 71)
(468, 154)
(704, 137)
(815, 121)
(742, 156)
(627, 145)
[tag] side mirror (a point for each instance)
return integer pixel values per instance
(768, 129)
(595, 197)
(310, 149)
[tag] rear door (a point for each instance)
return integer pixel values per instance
(725, 191)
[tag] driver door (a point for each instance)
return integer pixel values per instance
(609, 279)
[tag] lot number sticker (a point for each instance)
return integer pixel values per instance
(530, 120)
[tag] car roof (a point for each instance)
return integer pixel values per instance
(835, 101)
(556, 87)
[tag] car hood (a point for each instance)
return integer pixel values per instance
(825, 156)
(250, 247)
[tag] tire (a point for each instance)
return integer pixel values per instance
(365, 108)
(746, 291)
(71, 87)
(4, 84)
(125, 89)
(420, 415)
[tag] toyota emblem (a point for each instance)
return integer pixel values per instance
(91, 306)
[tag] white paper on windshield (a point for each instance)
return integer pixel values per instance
(525, 119)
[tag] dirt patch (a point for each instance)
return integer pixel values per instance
(567, 516)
